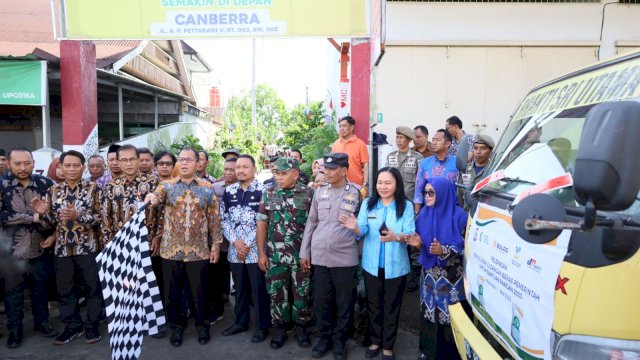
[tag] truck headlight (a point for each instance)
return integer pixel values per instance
(595, 348)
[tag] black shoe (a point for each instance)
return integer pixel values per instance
(46, 330)
(176, 337)
(260, 335)
(278, 338)
(203, 336)
(234, 329)
(321, 349)
(15, 339)
(388, 357)
(302, 337)
(68, 335)
(340, 352)
(92, 335)
(413, 283)
(371, 353)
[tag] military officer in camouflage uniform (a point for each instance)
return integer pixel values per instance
(281, 220)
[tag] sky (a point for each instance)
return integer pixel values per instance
(288, 65)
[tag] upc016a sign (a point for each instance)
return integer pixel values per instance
(23, 82)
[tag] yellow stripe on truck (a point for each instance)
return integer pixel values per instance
(463, 329)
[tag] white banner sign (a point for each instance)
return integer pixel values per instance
(343, 107)
(512, 282)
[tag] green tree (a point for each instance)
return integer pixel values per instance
(239, 132)
(310, 133)
(322, 138)
(297, 134)
(187, 141)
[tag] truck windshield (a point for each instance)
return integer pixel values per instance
(539, 148)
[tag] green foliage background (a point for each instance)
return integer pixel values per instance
(275, 125)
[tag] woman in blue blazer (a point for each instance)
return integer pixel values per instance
(385, 221)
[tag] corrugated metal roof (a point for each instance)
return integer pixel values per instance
(27, 24)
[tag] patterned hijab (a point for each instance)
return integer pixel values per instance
(444, 221)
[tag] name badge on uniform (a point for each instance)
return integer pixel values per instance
(324, 195)
(393, 161)
(466, 179)
(411, 163)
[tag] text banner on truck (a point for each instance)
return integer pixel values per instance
(511, 282)
(23, 82)
(185, 19)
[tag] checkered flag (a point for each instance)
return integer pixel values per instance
(130, 290)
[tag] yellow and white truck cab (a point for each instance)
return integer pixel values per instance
(552, 267)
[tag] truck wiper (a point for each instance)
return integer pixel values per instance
(517, 180)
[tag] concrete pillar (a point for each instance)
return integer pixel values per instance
(360, 86)
(79, 96)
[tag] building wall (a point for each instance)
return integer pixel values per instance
(477, 60)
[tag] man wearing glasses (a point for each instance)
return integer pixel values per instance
(123, 196)
(190, 241)
(96, 168)
(165, 161)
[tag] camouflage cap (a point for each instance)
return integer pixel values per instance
(286, 164)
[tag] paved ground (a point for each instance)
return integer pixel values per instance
(236, 347)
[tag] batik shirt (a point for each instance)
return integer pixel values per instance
(120, 201)
(239, 210)
(285, 211)
(103, 180)
(79, 236)
(430, 167)
(16, 214)
(455, 144)
(191, 219)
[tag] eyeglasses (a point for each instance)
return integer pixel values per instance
(128, 161)
(429, 193)
(185, 160)
(164, 163)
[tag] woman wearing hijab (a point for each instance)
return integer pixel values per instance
(384, 221)
(439, 228)
(317, 166)
(55, 171)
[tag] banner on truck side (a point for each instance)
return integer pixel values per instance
(185, 19)
(512, 282)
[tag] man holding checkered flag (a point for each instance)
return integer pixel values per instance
(132, 299)
(190, 241)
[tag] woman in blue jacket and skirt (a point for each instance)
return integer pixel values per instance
(385, 221)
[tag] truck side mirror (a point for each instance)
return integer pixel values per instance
(606, 175)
